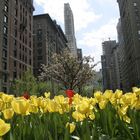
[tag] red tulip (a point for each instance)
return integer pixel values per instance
(70, 94)
(26, 95)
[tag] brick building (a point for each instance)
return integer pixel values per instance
(16, 43)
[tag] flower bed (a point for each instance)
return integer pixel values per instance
(106, 116)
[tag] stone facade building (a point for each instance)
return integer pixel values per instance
(130, 45)
(48, 39)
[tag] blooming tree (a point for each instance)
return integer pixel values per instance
(68, 70)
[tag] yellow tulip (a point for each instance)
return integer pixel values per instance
(1, 104)
(52, 106)
(137, 105)
(126, 119)
(7, 98)
(20, 106)
(83, 107)
(47, 94)
(4, 127)
(93, 101)
(128, 99)
(59, 99)
(136, 90)
(33, 108)
(122, 110)
(103, 103)
(8, 113)
(107, 94)
(113, 100)
(78, 116)
(92, 116)
(34, 100)
(76, 99)
(98, 95)
(118, 94)
(71, 126)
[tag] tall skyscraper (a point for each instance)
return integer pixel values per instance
(16, 44)
(130, 27)
(69, 29)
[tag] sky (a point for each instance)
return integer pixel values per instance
(95, 21)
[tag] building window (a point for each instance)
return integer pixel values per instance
(26, 13)
(4, 77)
(30, 61)
(30, 53)
(14, 75)
(25, 40)
(4, 65)
(6, 8)
(39, 57)
(16, 12)
(4, 89)
(39, 51)
(5, 30)
(15, 33)
(20, 7)
(20, 36)
(30, 27)
(15, 64)
(23, 47)
(5, 41)
(15, 53)
(135, 4)
(39, 44)
(139, 32)
(15, 42)
(20, 56)
(4, 53)
(15, 21)
(30, 44)
(25, 59)
(20, 65)
(5, 19)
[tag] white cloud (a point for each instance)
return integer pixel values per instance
(83, 13)
(107, 2)
(93, 40)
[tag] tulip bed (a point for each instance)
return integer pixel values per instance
(105, 116)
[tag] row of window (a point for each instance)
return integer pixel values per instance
(21, 66)
(25, 39)
(4, 51)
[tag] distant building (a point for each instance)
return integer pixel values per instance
(130, 43)
(97, 80)
(48, 39)
(110, 65)
(16, 43)
(79, 54)
(69, 29)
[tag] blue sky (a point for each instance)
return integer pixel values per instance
(95, 21)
